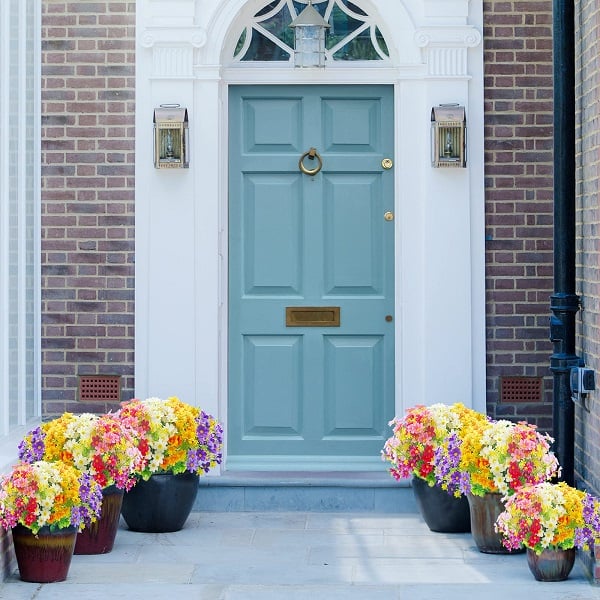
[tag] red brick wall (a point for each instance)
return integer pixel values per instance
(87, 197)
(519, 201)
(587, 443)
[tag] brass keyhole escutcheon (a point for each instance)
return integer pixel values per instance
(388, 216)
(389, 318)
(387, 163)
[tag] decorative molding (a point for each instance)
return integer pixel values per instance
(467, 37)
(446, 49)
(173, 50)
(447, 62)
(172, 62)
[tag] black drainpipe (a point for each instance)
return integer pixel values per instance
(564, 303)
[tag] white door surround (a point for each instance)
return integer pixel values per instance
(184, 55)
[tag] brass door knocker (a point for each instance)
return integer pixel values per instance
(311, 155)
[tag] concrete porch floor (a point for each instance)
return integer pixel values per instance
(280, 555)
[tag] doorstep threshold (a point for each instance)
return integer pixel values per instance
(356, 479)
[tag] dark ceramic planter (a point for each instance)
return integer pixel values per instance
(99, 537)
(484, 512)
(44, 557)
(161, 504)
(442, 512)
(551, 565)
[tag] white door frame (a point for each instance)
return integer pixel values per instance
(181, 217)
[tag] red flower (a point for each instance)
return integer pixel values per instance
(144, 447)
(428, 453)
(98, 464)
(31, 511)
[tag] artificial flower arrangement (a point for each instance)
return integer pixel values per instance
(100, 445)
(549, 516)
(52, 494)
(425, 443)
(173, 436)
(500, 456)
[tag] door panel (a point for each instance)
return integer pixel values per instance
(273, 262)
(352, 265)
(313, 397)
(272, 365)
(346, 412)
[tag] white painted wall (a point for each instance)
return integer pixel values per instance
(181, 215)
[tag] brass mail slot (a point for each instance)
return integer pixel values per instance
(312, 316)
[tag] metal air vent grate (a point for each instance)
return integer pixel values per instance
(521, 389)
(103, 388)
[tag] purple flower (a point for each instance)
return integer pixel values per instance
(91, 496)
(583, 537)
(193, 460)
(591, 513)
(77, 517)
(447, 461)
(32, 449)
(202, 426)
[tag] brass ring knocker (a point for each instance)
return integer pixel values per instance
(311, 154)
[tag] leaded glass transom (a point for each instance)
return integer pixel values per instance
(353, 34)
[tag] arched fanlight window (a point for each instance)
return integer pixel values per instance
(353, 34)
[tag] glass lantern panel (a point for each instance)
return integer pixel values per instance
(309, 41)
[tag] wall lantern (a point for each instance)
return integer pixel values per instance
(448, 136)
(309, 38)
(171, 137)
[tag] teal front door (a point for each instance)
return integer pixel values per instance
(311, 277)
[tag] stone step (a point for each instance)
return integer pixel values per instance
(248, 491)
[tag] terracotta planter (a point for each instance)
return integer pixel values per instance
(484, 512)
(161, 504)
(441, 511)
(551, 564)
(46, 556)
(99, 537)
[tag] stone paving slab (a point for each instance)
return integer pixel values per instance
(300, 556)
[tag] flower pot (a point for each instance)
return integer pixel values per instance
(44, 557)
(160, 504)
(484, 512)
(99, 537)
(441, 511)
(551, 564)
